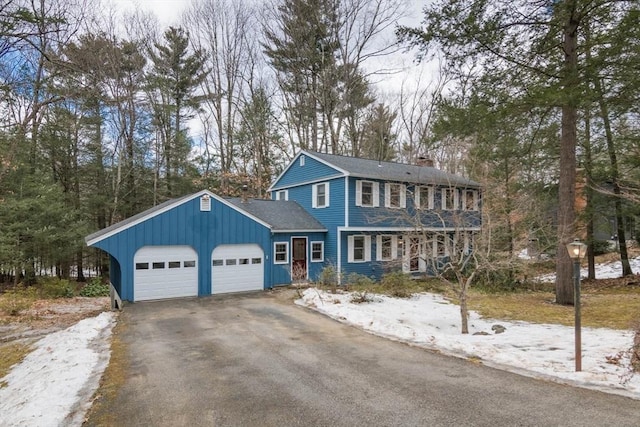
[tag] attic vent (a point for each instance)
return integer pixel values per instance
(301, 160)
(205, 203)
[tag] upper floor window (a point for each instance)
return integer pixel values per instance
(470, 200)
(367, 193)
(424, 197)
(320, 195)
(449, 199)
(282, 195)
(395, 195)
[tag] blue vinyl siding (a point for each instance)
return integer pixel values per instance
(281, 272)
(360, 216)
(185, 224)
(311, 171)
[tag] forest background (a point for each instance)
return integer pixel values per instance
(107, 112)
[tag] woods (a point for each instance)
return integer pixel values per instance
(107, 113)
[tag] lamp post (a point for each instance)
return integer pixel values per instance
(577, 251)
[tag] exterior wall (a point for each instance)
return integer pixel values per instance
(185, 224)
(331, 217)
(360, 216)
(281, 273)
(312, 170)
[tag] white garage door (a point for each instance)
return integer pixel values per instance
(237, 268)
(165, 272)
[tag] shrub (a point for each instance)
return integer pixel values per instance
(359, 281)
(504, 280)
(360, 297)
(54, 287)
(397, 284)
(601, 247)
(329, 278)
(95, 288)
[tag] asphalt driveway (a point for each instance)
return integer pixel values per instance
(259, 360)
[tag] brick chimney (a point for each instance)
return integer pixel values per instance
(424, 161)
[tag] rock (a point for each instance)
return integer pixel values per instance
(498, 329)
(481, 333)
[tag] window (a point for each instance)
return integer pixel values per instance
(218, 262)
(449, 199)
(142, 265)
(394, 195)
(424, 197)
(256, 260)
(282, 195)
(281, 251)
(470, 202)
(230, 261)
(384, 248)
(317, 251)
(440, 245)
(367, 194)
(301, 160)
(174, 264)
(188, 264)
(157, 265)
(205, 203)
(320, 195)
(359, 248)
(244, 261)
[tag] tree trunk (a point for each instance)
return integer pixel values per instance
(615, 176)
(464, 312)
(588, 164)
(567, 179)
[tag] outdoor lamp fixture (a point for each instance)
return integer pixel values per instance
(577, 250)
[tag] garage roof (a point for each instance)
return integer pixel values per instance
(281, 215)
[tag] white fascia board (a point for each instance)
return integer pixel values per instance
(167, 208)
(409, 229)
(272, 187)
(300, 184)
(324, 230)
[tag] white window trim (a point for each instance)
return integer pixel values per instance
(394, 247)
(283, 192)
(375, 193)
(314, 195)
(275, 258)
(474, 206)
(321, 243)
(456, 201)
(387, 195)
(367, 248)
(430, 193)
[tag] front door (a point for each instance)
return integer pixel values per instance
(299, 258)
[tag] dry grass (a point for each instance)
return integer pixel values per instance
(10, 355)
(616, 308)
(112, 380)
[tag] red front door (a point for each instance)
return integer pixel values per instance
(299, 258)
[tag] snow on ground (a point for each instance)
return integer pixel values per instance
(610, 270)
(54, 384)
(542, 351)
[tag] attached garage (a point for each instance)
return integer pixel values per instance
(237, 268)
(203, 244)
(165, 272)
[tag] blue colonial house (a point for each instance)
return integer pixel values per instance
(357, 215)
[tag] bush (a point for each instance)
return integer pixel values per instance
(329, 278)
(397, 284)
(504, 280)
(95, 288)
(54, 287)
(360, 281)
(360, 297)
(601, 247)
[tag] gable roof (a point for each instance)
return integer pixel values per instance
(281, 215)
(391, 171)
